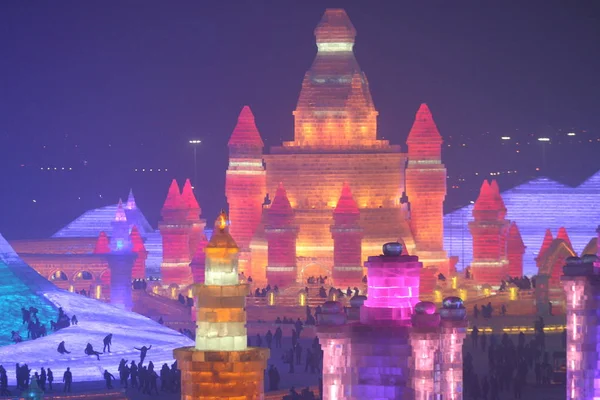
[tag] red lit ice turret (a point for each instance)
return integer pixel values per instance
(175, 232)
(515, 248)
(347, 240)
(245, 184)
(546, 243)
(102, 244)
(562, 234)
(281, 237)
(426, 189)
(489, 230)
(196, 225)
(137, 246)
(198, 263)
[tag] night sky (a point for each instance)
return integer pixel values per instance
(108, 87)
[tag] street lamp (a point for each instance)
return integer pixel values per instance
(544, 140)
(195, 143)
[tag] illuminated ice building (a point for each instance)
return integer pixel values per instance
(299, 230)
(221, 365)
(390, 345)
(535, 206)
(75, 257)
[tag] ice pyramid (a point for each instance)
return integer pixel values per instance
(21, 286)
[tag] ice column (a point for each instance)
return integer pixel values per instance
(221, 365)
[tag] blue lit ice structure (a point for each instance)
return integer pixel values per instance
(96, 320)
(535, 206)
(21, 286)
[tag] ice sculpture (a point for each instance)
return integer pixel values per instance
(221, 365)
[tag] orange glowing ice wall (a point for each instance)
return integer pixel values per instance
(515, 248)
(175, 232)
(137, 246)
(424, 343)
(393, 286)
(347, 237)
(489, 231)
(221, 365)
(581, 282)
(245, 184)
(281, 238)
(195, 224)
(453, 330)
(120, 261)
(426, 189)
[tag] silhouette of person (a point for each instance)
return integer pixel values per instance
(107, 342)
(61, 348)
(108, 377)
(42, 381)
(68, 379)
(50, 375)
(143, 352)
(133, 370)
(74, 320)
(89, 350)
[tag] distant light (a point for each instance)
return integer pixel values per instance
(537, 169)
(505, 138)
(472, 202)
(571, 134)
(195, 141)
(544, 139)
(35, 201)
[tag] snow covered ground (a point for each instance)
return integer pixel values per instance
(96, 320)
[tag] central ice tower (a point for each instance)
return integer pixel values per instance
(335, 141)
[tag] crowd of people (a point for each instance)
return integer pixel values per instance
(486, 310)
(43, 379)
(313, 280)
(508, 364)
(144, 378)
(522, 282)
(258, 292)
(35, 329)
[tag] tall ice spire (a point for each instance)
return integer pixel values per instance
(130, 205)
(245, 184)
(426, 189)
(424, 140)
(335, 108)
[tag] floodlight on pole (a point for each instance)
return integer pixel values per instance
(195, 143)
(544, 140)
